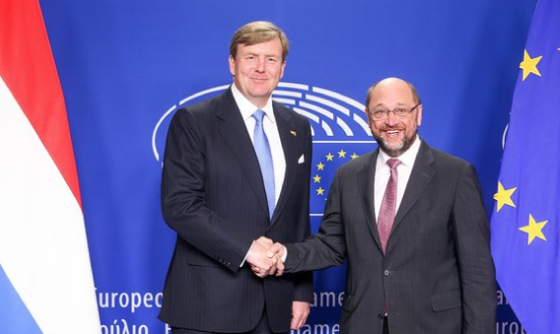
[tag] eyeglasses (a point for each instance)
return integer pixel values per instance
(382, 114)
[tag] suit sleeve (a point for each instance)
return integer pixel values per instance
(327, 248)
(183, 196)
(472, 240)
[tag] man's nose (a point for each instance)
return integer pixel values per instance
(392, 118)
(260, 65)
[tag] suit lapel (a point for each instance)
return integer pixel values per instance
(234, 131)
(366, 186)
(421, 175)
(286, 126)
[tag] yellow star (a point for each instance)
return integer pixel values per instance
(329, 156)
(354, 156)
(341, 154)
(503, 196)
(320, 191)
(534, 229)
(316, 179)
(529, 65)
(320, 166)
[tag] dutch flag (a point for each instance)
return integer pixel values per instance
(46, 281)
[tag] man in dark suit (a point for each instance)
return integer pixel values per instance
(237, 166)
(411, 222)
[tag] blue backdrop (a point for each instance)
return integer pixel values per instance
(126, 66)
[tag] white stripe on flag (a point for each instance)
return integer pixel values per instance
(43, 246)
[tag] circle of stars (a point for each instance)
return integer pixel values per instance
(321, 167)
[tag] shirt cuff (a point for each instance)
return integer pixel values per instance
(285, 256)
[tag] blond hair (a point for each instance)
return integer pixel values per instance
(258, 32)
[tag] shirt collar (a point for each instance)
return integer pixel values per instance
(408, 157)
(247, 108)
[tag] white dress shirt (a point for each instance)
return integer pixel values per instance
(270, 129)
(383, 172)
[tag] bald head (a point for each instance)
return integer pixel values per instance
(392, 84)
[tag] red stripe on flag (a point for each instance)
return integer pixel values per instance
(27, 66)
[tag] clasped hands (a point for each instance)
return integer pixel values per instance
(265, 257)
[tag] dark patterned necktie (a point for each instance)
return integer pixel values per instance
(388, 205)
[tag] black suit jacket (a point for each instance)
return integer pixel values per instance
(438, 274)
(213, 197)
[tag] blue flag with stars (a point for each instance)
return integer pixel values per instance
(526, 216)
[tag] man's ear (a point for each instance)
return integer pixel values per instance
(231, 65)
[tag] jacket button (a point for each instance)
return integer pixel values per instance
(386, 272)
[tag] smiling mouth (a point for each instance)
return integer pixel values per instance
(392, 133)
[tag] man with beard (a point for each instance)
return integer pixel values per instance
(411, 222)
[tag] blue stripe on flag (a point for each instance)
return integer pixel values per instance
(14, 315)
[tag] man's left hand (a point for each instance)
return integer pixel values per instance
(300, 312)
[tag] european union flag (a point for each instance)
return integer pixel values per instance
(526, 218)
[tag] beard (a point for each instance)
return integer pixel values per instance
(396, 151)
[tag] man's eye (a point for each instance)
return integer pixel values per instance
(380, 112)
(401, 111)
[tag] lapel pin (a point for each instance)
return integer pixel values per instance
(293, 133)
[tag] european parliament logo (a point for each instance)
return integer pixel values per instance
(338, 125)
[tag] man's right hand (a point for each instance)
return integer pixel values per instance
(278, 250)
(262, 264)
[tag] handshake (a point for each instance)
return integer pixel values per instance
(265, 257)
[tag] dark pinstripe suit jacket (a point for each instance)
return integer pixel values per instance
(214, 198)
(438, 274)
